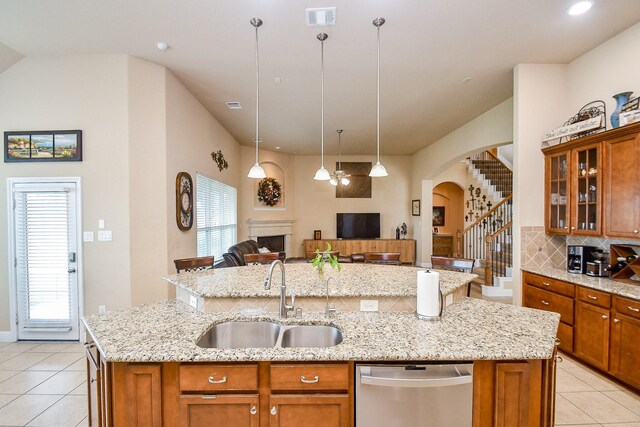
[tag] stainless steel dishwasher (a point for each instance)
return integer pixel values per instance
(406, 395)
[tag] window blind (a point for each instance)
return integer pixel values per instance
(42, 251)
(216, 216)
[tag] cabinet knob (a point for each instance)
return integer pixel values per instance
(616, 320)
(573, 228)
(273, 410)
(635, 231)
(604, 316)
(253, 410)
(92, 380)
(544, 302)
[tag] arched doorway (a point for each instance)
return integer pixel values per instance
(447, 219)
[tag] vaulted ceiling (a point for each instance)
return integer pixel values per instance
(443, 62)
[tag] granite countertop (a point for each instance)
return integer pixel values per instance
(598, 283)
(354, 280)
(470, 329)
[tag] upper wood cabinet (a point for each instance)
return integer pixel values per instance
(592, 185)
(622, 186)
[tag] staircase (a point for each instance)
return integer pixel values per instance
(489, 238)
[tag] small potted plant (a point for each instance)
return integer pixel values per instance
(323, 258)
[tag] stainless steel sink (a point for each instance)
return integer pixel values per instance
(241, 335)
(311, 336)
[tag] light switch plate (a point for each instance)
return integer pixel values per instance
(368, 305)
(101, 224)
(104, 235)
(87, 236)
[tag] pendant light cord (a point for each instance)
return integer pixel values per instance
(257, 93)
(378, 100)
(322, 101)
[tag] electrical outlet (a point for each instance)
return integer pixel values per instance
(102, 309)
(193, 301)
(87, 236)
(368, 305)
(104, 235)
(448, 300)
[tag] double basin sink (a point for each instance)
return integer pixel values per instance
(265, 334)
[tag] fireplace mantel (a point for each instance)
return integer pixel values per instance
(272, 227)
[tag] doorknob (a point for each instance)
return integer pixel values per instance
(71, 270)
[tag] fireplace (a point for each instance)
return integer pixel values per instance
(272, 228)
(274, 243)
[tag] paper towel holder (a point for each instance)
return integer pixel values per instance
(439, 316)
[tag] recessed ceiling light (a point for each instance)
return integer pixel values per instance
(162, 46)
(233, 105)
(277, 147)
(580, 7)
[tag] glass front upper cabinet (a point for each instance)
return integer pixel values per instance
(586, 194)
(558, 192)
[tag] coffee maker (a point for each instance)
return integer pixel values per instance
(578, 257)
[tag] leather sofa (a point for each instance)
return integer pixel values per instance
(235, 254)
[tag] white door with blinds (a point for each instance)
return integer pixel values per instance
(216, 216)
(44, 222)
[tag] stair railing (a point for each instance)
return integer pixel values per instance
(473, 237)
(499, 253)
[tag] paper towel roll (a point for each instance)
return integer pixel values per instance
(428, 295)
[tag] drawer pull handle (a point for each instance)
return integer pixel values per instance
(209, 396)
(273, 410)
(604, 316)
(592, 297)
(253, 410)
(616, 320)
(544, 302)
(637, 310)
(546, 283)
(306, 381)
(214, 381)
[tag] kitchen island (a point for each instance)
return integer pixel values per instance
(146, 369)
(241, 288)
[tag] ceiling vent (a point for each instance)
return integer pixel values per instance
(233, 105)
(321, 16)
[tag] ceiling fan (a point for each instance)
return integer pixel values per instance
(339, 176)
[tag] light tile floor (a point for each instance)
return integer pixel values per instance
(45, 385)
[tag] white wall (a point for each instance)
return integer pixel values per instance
(86, 92)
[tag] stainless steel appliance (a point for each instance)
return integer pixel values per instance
(406, 395)
(578, 257)
(599, 267)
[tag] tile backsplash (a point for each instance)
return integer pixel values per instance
(538, 249)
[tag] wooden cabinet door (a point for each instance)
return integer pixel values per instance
(219, 410)
(321, 410)
(94, 397)
(138, 402)
(557, 193)
(586, 190)
(591, 334)
(622, 186)
(625, 349)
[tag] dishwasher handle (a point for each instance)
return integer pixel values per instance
(461, 378)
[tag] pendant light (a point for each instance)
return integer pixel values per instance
(339, 176)
(378, 170)
(322, 174)
(256, 170)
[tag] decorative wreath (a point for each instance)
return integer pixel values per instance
(269, 191)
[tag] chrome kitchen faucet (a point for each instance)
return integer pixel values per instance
(284, 308)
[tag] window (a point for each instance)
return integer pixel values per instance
(216, 216)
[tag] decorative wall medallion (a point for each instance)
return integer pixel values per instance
(218, 157)
(184, 201)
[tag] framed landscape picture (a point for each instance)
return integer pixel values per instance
(43, 146)
(438, 216)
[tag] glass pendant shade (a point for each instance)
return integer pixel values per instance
(322, 175)
(257, 171)
(378, 170)
(345, 181)
(333, 182)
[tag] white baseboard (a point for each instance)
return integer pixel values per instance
(496, 291)
(7, 336)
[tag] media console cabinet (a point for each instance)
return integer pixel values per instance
(406, 247)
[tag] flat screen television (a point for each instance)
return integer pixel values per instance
(358, 225)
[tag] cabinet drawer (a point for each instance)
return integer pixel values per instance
(543, 300)
(557, 286)
(309, 377)
(565, 335)
(601, 299)
(627, 306)
(218, 377)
